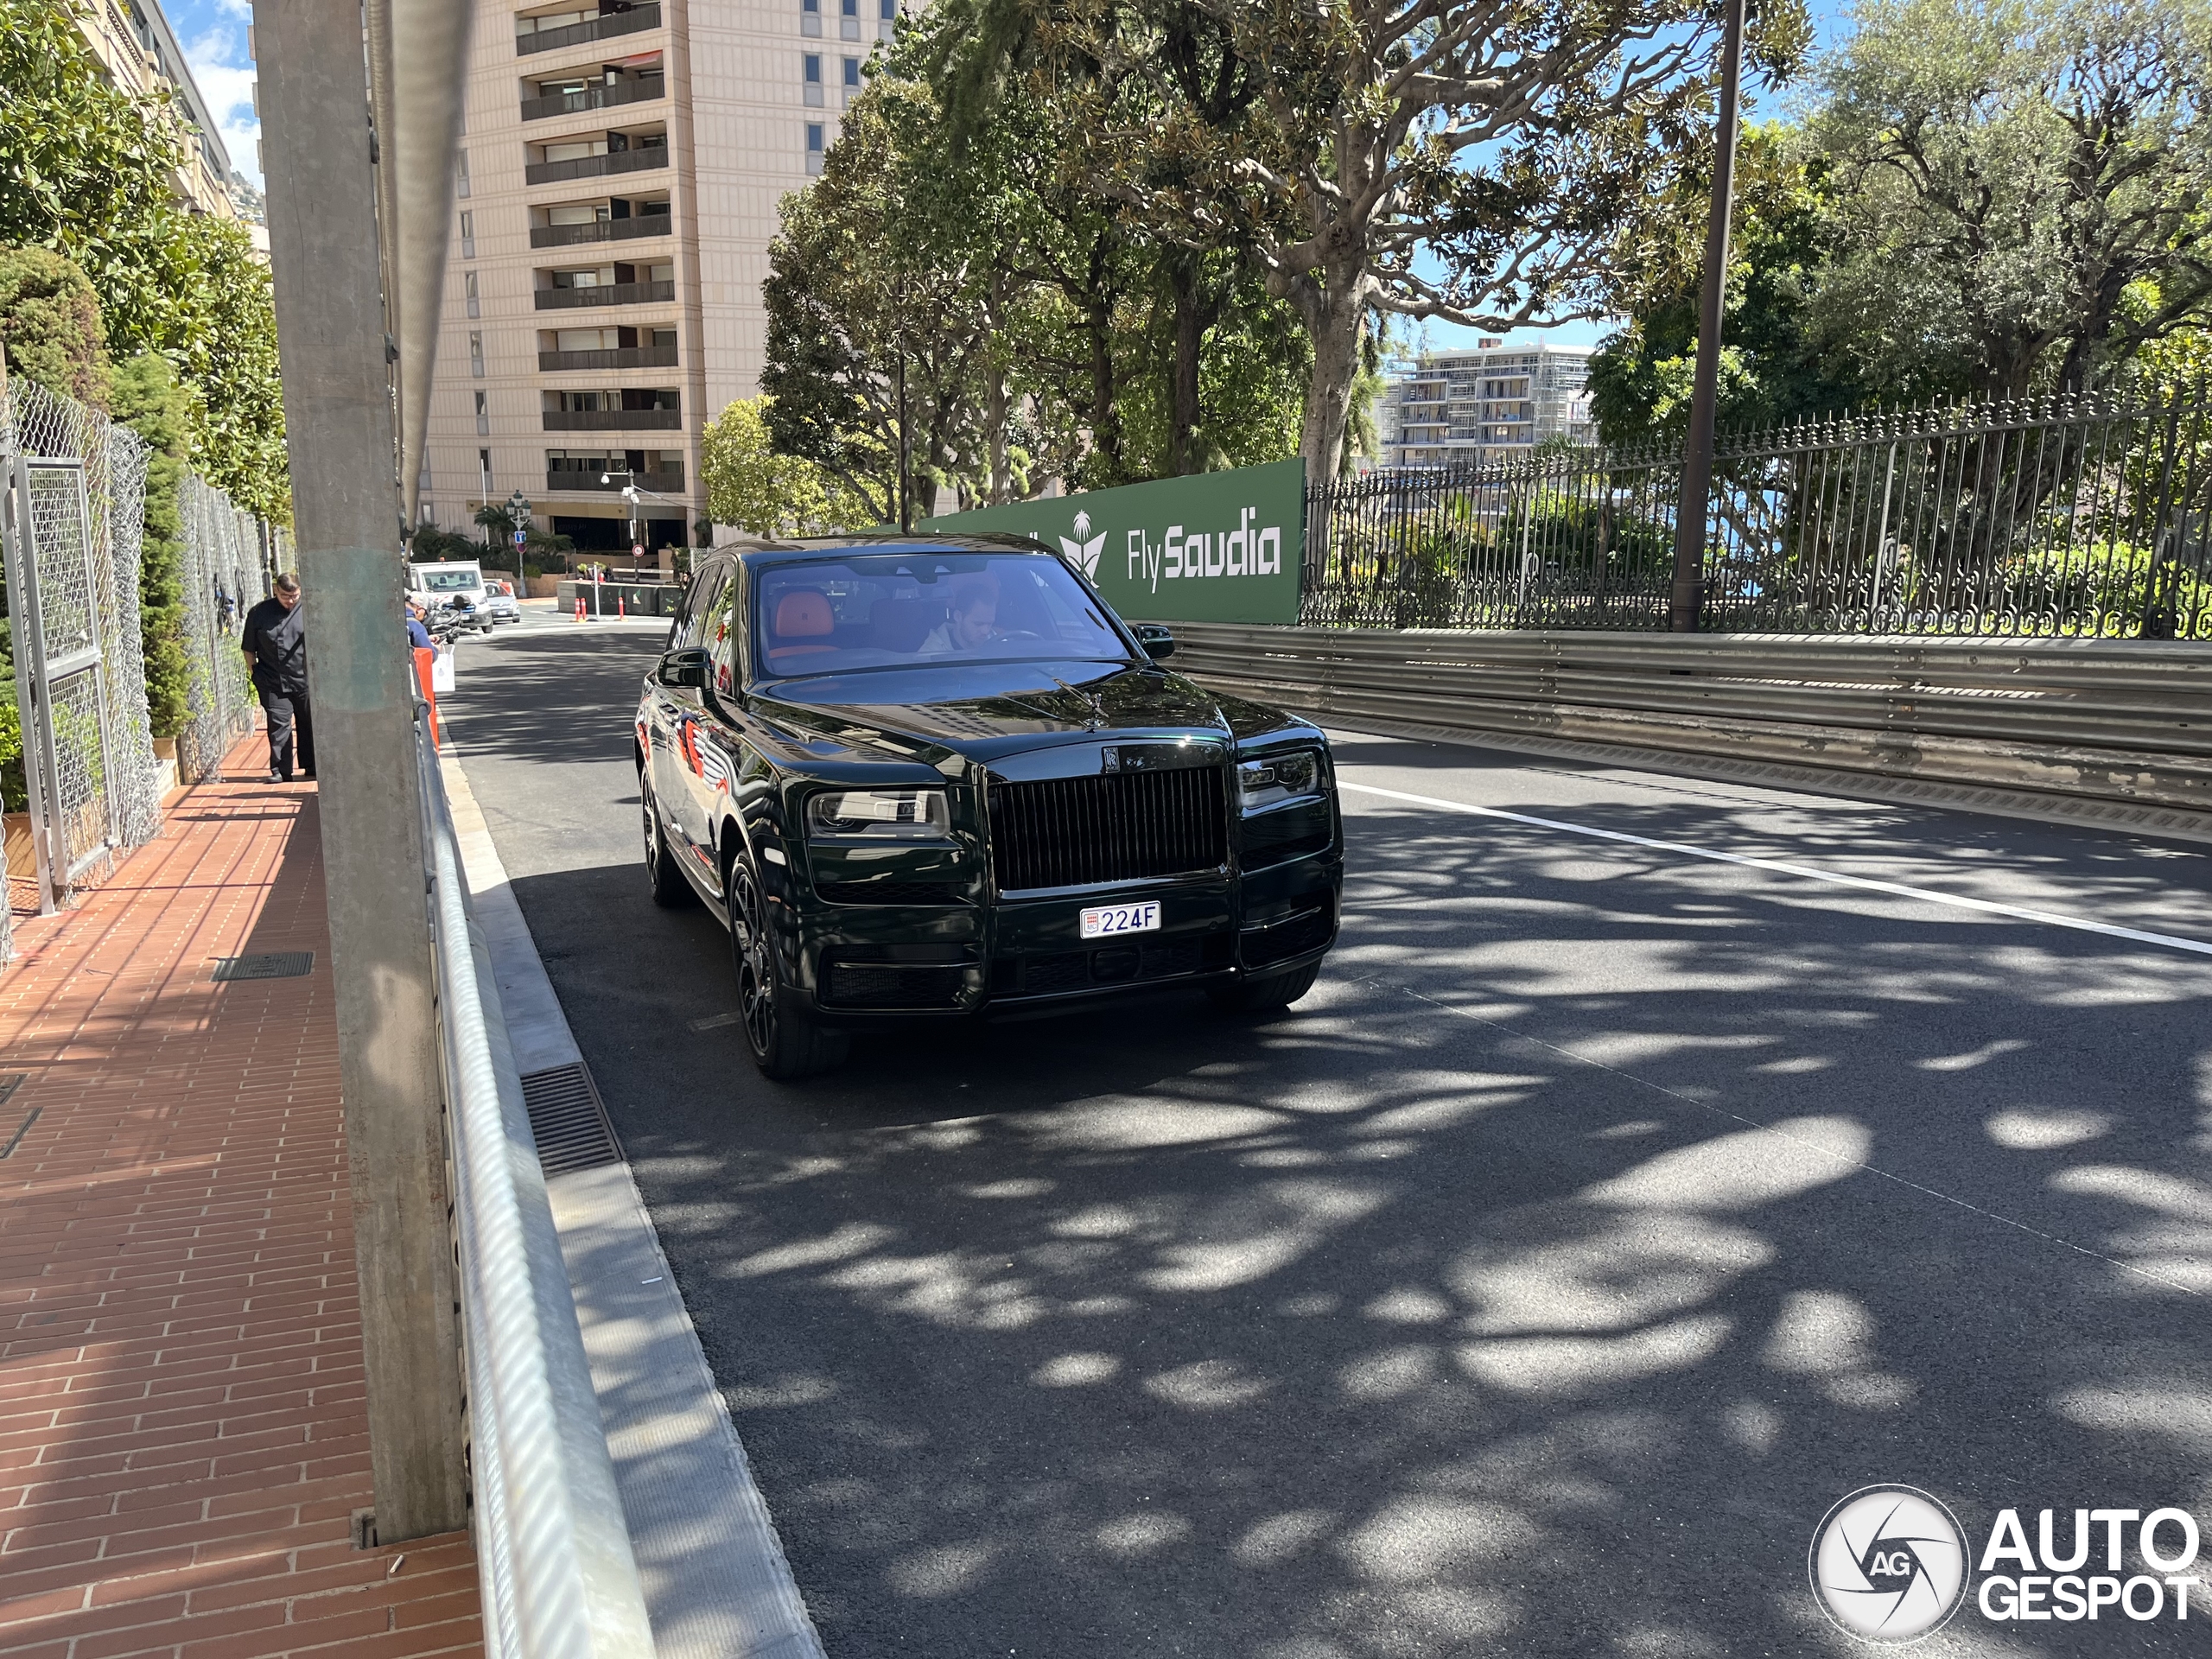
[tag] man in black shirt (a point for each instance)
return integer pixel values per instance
(275, 646)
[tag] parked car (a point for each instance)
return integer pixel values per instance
(500, 604)
(927, 779)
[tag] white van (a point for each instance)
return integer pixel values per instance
(447, 580)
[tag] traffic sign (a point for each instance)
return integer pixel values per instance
(518, 539)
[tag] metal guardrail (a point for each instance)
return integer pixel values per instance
(574, 299)
(553, 1553)
(2115, 720)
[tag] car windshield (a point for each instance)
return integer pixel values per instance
(448, 581)
(924, 607)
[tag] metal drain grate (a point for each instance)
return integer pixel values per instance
(9, 1084)
(569, 1121)
(278, 964)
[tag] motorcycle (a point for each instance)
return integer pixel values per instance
(457, 617)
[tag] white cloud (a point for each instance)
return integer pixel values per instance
(226, 80)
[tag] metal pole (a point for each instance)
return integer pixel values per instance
(339, 418)
(1688, 598)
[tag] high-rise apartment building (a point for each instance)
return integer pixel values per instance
(620, 168)
(1487, 404)
(137, 47)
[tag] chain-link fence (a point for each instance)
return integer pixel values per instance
(226, 555)
(77, 757)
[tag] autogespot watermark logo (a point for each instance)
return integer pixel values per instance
(1891, 1564)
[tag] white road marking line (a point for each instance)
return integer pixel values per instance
(1811, 1145)
(715, 1021)
(1958, 901)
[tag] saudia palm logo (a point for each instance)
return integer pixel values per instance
(1085, 553)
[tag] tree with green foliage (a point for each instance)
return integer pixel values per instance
(87, 172)
(429, 543)
(1457, 159)
(50, 325)
(1774, 367)
(150, 401)
(2022, 190)
(752, 487)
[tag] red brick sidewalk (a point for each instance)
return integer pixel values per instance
(182, 1439)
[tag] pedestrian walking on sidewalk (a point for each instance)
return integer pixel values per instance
(275, 646)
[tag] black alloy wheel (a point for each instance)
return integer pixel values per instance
(670, 890)
(787, 1041)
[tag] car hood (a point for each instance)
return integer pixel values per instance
(983, 711)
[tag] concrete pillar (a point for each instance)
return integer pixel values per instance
(315, 147)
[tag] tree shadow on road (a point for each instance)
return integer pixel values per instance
(1534, 1287)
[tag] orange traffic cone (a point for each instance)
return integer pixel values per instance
(620, 610)
(580, 607)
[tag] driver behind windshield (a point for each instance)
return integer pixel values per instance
(970, 618)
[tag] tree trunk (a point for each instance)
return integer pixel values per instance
(996, 407)
(1105, 414)
(1333, 308)
(1190, 327)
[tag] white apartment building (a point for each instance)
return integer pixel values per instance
(1483, 405)
(617, 184)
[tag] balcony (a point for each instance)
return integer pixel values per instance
(560, 478)
(614, 420)
(603, 27)
(614, 357)
(596, 167)
(570, 299)
(605, 95)
(605, 230)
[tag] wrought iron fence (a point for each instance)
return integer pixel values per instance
(76, 684)
(2059, 517)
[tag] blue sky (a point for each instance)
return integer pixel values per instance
(213, 33)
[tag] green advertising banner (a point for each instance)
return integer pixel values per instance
(1221, 547)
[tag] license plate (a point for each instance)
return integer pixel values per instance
(1104, 920)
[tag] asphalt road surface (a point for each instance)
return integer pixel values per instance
(1534, 1287)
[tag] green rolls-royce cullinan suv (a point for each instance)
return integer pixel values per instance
(926, 777)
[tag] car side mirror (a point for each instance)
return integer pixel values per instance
(1158, 642)
(682, 668)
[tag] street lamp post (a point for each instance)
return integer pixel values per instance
(1687, 600)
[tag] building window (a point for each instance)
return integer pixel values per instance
(469, 292)
(484, 463)
(460, 175)
(814, 147)
(810, 75)
(848, 20)
(484, 415)
(468, 236)
(809, 17)
(887, 27)
(476, 353)
(852, 79)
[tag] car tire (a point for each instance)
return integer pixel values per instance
(785, 1040)
(1264, 992)
(670, 890)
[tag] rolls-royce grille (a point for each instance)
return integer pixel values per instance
(1080, 832)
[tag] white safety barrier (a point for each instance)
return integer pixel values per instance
(552, 1550)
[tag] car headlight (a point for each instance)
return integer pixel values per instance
(1289, 777)
(879, 815)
